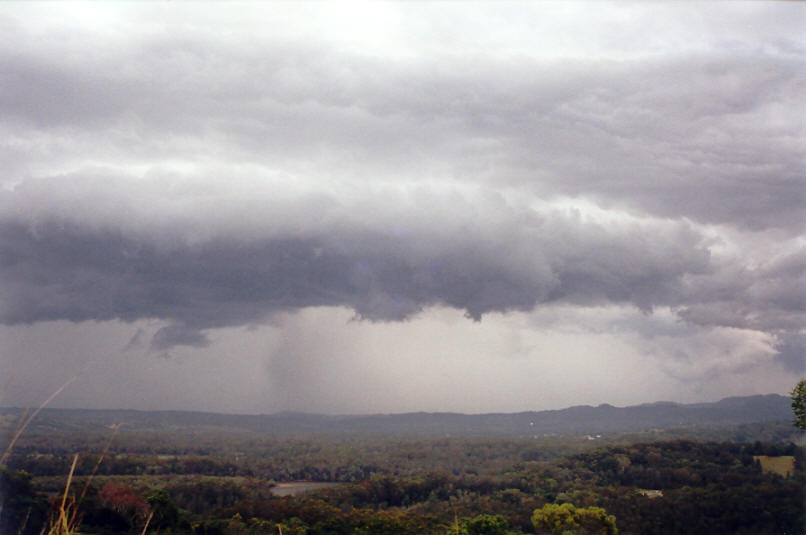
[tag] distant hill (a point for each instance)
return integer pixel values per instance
(579, 420)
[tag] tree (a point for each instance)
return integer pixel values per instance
(22, 510)
(126, 503)
(481, 525)
(566, 519)
(799, 404)
(165, 512)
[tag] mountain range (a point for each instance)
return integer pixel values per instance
(582, 419)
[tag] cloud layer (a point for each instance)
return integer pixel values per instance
(386, 258)
(199, 170)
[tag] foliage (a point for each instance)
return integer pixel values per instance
(213, 484)
(799, 404)
(22, 510)
(566, 519)
(481, 525)
(164, 512)
(125, 504)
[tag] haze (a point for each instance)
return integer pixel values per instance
(391, 207)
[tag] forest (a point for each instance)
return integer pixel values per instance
(216, 482)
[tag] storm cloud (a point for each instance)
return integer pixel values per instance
(387, 262)
(194, 169)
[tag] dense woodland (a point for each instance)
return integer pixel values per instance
(215, 483)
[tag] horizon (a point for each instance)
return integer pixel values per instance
(358, 415)
(395, 208)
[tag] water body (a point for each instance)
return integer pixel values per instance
(295, 488)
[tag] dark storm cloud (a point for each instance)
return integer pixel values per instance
(770, 296)
(492, 257)
(178, 335)
(665, 143)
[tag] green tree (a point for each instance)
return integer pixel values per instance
(566, 519)
(22, 510)
(165, 512)
(481, 525)
(799, 404)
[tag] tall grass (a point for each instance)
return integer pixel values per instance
(67, 518)
(115, 429)
(27, 421)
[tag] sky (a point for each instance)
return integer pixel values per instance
(372, 207)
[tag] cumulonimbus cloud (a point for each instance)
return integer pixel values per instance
(270, 174)
(386, 263)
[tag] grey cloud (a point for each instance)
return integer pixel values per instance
(131, 254)
(50, 95)
(791, 349)
(135, 341)
(707, 135)
(626, 175)
(494, 257)
(178, 335)
(713, 136)
(769, 297)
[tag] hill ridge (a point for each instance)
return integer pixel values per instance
(579, 419)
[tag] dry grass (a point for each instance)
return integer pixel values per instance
(148, 521)
(66, 519)
(115, 429)
(783, 465)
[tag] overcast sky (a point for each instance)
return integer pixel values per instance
(390, 207)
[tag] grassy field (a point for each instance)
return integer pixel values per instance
(783, 465)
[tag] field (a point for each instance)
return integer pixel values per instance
(783, 465)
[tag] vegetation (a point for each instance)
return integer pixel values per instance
(566, 519)
(218, 480)
(783, 465)
(215, 483)
(24, 510)
(799, 404)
